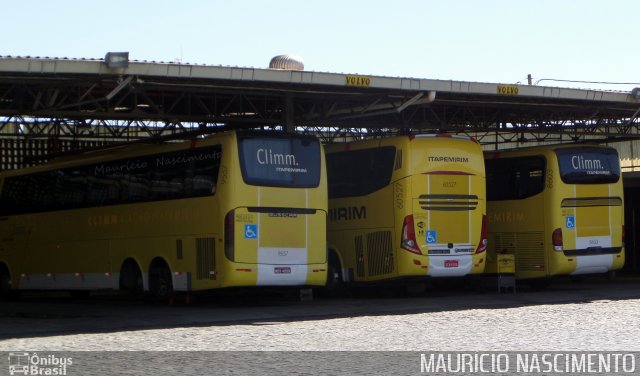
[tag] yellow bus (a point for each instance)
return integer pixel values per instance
(558, 209)
(233, 209)
(406, 208)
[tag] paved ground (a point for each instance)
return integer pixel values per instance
(588, 317)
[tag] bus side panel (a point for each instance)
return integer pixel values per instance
(89, 252)
(361, 230)
(65, 257)
(14, 232)
(180, 232)
(409, 264)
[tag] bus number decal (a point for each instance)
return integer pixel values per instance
(399, 193)
(245, 217)
(224, 174)
(251, 231)
(508, 89)
(549, 178)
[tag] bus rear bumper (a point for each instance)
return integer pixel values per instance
(246, 275)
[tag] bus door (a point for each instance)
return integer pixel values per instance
(286, 228)
(592, 213)
(446, 228)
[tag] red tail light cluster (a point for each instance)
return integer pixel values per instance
(482, 245)
(556, 240)
(409, 242)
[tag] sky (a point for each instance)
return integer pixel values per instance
(497, 41)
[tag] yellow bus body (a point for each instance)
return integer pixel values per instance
(229, 234)
(406, 207)
(586, 216)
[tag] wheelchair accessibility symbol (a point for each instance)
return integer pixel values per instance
(570, 222)
(432, 236)
(250, 231)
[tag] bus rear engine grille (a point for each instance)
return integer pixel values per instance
(380, 252)
(443, 202)
(528, 248)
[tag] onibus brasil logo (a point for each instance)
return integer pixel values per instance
(24, 363)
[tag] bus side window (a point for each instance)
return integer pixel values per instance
(500, 180)
(359, 172)
(531, 177)
(514, 178)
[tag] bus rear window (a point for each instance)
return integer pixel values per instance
(280, 162)
(588, 165)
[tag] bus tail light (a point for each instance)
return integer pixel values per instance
(556, 239)
(229, 235)
(409, 236)
(482, 245)
(624, 233)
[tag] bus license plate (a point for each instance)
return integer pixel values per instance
(282, 270)
(450, 263)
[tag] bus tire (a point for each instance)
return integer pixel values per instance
(131, 277)
(160, 282)
(335, 282)
(6, 291)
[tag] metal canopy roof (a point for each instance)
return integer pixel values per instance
(85, 98)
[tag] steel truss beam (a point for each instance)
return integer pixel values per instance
(71, 109)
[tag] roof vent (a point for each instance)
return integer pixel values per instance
(287, 62)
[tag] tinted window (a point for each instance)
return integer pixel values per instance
(514, 178)
(588, 165)
(359, 172)
(280, 162)
(181, 174)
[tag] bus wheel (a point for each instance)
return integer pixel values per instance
(131, 277)
(160, 284)
(334, 284)
(6, 291)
